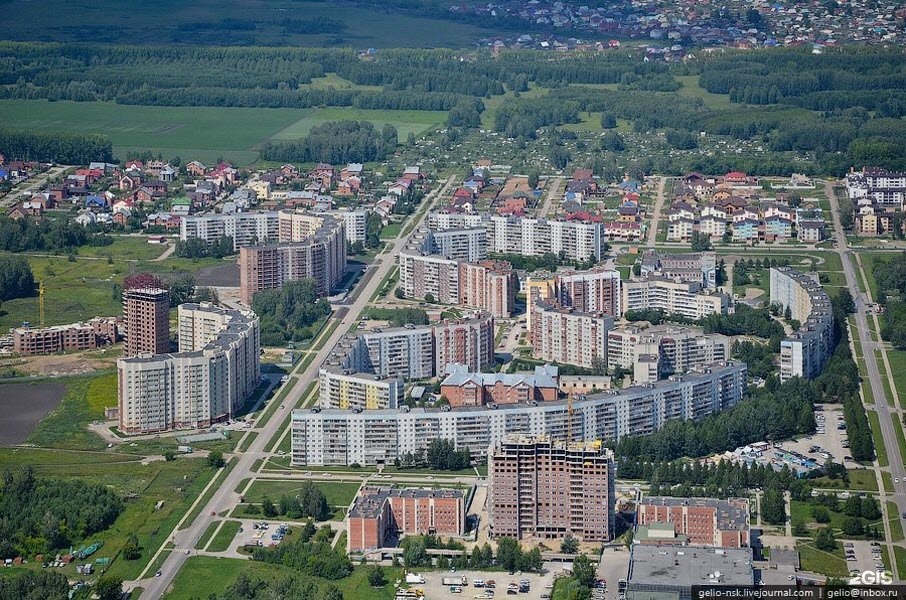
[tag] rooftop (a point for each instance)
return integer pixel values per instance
(686, 566)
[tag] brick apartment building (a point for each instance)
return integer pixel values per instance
(380, 516)
(146, 315)
(76, 336)
(545, 489)
(488, 284)
(695, 521)
(464, 388)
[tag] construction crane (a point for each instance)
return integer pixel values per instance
(41, 303)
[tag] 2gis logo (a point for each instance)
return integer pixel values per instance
(872, 578)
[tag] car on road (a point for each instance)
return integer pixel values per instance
(896, 480)
(158, 574)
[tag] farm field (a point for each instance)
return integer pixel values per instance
(172, 22)
(202, 133)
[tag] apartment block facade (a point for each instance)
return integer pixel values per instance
(468, 341)
(215, 371)
(429, 276)
(595, 291)
(489, 285)
(690, 300)
(675, 349)
(99, 331)
(245, 228)
(696, 521)
(566, 336)
(545, 489)
(372, 437)
(803, 353)
(146, 319)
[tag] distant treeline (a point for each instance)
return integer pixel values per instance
(336, 142)
(66, 148)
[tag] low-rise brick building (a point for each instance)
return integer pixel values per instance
(462, 387)
(695, 521)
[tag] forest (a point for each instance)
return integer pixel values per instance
(890, 275)
(336, 142)
(16, 278)
(65, 148)
(39, 515)
(47, 235)
(288, 313)
(310, 553)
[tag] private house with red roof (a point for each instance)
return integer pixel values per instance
(130, 181)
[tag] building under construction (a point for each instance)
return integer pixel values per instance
(547, 489)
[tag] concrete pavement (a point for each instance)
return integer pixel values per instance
(225, 497)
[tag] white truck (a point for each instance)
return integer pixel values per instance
(459, 581)
(414, 578)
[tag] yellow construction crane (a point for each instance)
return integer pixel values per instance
(41, 303)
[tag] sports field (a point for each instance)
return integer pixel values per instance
(202, 133)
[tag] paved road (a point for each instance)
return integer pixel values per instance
(225, 498)
(656, 213)
(871, 364)
(32, 185)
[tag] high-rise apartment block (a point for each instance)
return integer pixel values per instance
(672, 349)
(548, 489)
(595, 291)
(566, 336)
(468, 341)
(804, 352)
(311, 246)
(146, 318)
(674, 297)
(215, 371)
(488, 284)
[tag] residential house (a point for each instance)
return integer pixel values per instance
(86, 218)
(680, 230)
(196, 169)
(163, 219)
(352, 170)
(289, 171)
(95, 203)
(57, 193)
(400, 187)
(130, 181)
(712, 226)
(349, 186)
(168, 174)
(413, 173)
(615, 231)
(323, 175)
(810, 231)
(777, 227)
(744, 214)
(24, 210)
(778, 210)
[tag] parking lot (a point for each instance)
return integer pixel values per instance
(827, 439)
(249, 535)
(613, 567)
(540, 585)
(861, 556)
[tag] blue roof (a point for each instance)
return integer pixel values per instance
(95, 199)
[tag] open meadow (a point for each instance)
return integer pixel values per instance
(202, 133)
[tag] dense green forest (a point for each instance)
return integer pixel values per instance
(336, 142)
(33, 585)
(66, 148)
(288, 313)
(16, 278)
(47, 235)
(39, 515)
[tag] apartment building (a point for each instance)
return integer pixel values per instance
(690, 300)
(565, 335)
(355, 223)
(429, 276)
(215, 371)
(406, 352)
(886, 189)
(545, 489)
(99, 331)
(463, 387)
(379, 516)
(803, 353)
(146, 319)
(528, 236)
(311, 247)
(373, 437)
(468, 341)
(538, 287)
(348, 379)
(693, 521)
(245, 228)
(489, 285)
(674, 349)
(595, 291)
(695, 267)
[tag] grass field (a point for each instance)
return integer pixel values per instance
(819, 561)
(691, 89)
(880, 450)
(125, 247)
(896, 526)
(202, 133)
(339, 493)
(204, 575)
(863, 480)
(900, 557)
(113, 22)
(84, 402)
(223, 537)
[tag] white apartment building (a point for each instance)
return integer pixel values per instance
(215, 371)
(804, 353)
(372, 437)
(244, 228)
(356, 222)
(566, 336)
(673, 349)
(690, 300)
(423, 274)
(406, 352)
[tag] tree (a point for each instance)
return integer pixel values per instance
(871, 510)
(16, 279)
(532, 561)
(132, 551)
(182, 288)
(821, 514)
(533, 177)
(414, 554)
(376, 576)
(215, 459)
(560, 157)
(169, 455)
(608, 121)
(288, 313)
(429, 298)
(612, 141)
(584, 571)
(853, 506)
(701, 242)
(508, 553)
(410, 140)
(109, 587)
(825, 540)
(268, 508)
(569, 545)
(852, 526)
(773, 507)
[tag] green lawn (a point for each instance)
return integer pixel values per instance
(802, 514)
(207, 535)
(898, 430)
(818, 561)
(202, 576)
(862, 480)
(897, 359)
(223, 538)
(887, 478)
(391, 231)
(405, 121)
(900, 557)
(691, 89)
(896, 526)
(125, 247)
(84, 402)
(878, 438)
(339, 493)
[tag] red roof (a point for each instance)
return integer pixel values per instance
(584, 216)
(736, 175)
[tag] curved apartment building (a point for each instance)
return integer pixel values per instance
(804, 352)
(207, 381)
(370, 437)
